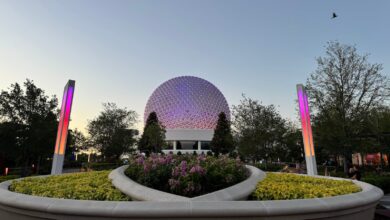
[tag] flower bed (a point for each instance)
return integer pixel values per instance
(283, 186)
(186, 175)
(80, 186)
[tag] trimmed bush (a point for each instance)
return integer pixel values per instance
(9, 177)
(80, 186)
(382, 182)
(100, 166)
(269, 167)
(186, 175)
(285, 186)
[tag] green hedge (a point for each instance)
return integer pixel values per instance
(100, 166)
(81, 186)
(9, 177)
(269, 167)
(382, 182)
(284, 186)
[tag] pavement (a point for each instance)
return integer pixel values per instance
(385, 201)
(383, 209)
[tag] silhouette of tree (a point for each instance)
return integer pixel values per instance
(153, 137)
(29, 119)
(222, 141)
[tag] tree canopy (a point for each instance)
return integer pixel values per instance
(344, 90)
(259, 129)
(111, 131)
(28, 123)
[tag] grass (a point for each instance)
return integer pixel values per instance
(284, 186)
(80, 186)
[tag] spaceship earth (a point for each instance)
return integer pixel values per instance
(187, 102)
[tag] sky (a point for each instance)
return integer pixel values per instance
(120, 51)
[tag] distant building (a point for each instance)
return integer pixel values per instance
(188, 108)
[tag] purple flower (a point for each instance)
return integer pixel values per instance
(140, 160)
(175, 172)
(169, 158)
(183, 166)
(201, 157)
(146, 168)
(197, 169)
(173, 183)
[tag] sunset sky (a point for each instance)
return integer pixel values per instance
(120, 51)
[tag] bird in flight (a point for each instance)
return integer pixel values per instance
(334, 15)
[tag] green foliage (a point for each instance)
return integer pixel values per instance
(100, 166)
(281, 186)
(186, 175)
(382, 182)
(259, 130)
(343, 90)
(9, 177)
(222, 141)
(153, 137)
(269, 167)
(110, 131)
(76, 141)
(80, 186)
(28, 124)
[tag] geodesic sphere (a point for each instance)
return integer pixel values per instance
(187, 102)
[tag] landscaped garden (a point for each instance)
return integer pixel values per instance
(81, 186)
(285, 186)
(186, 175)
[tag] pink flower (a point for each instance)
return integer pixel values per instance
(197, 169)
(140, 160)
(183, 166)
(173, 183)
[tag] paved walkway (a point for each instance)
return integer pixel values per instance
(385, 201)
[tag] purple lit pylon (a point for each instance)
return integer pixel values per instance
(63, 125)
(304, 112)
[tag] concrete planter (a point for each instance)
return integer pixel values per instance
(352, 206)
(139, 192)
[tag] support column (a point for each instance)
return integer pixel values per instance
(174, 145)
(199, 145)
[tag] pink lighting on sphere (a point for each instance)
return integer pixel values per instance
(187, 102)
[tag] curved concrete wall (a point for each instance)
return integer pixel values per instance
(349, 207)
(139, 192)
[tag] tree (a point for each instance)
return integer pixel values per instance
(259, 129)
(378, 132)
(76, 141)
(222, 141)
(32, 118)
(344, 88)
(110, 132)
(153, 137)
(292, 150)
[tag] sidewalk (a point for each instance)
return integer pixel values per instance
(385, 201)
(383, 210)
